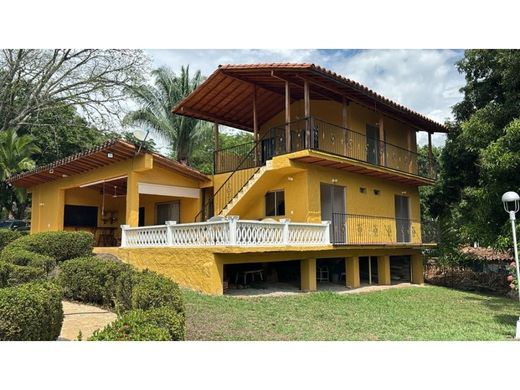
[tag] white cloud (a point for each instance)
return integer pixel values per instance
(423, 80)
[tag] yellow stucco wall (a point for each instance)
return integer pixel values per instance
(202, 269)
(48, 199)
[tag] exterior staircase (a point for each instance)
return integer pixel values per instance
(246, 188)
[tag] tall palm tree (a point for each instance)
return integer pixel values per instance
(156, 102)
(15, 156)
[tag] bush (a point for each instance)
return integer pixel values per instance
(7, 236)
(60, 245)
(12, 274)
(151, 290)
(32, 311)
(91, 279)
(158, 324)
(16, 255)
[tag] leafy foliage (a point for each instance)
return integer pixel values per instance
(32, 311)
(482, 154)
(156, 103)
(59, 245)
(158, 324)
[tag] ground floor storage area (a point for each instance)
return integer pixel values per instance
(321, 274)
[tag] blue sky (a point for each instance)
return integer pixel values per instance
(424, 80)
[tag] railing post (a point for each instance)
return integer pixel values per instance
(123, 235)
(169, 232)
(326, 238)
(285, 232)
(233, 230)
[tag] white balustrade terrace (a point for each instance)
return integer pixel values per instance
(229, 232)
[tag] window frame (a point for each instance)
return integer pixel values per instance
(275, 192)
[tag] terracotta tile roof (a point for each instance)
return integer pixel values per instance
(94, 158)
(204, 102)
(488, 254)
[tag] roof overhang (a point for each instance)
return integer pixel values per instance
(226, 96)
(108, 153)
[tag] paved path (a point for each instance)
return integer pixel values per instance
(86, 318)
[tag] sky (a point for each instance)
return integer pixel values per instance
(426, 81)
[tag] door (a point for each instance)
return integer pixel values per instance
(402, 218)
(332, 198)
(167, 212)
(141, 217)
(373, 144)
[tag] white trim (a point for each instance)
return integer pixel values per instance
(161, 189)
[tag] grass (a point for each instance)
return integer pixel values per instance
(427, 313)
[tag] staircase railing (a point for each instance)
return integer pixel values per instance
(249, 163)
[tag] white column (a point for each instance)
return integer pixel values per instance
(123, 235)
(169, 232)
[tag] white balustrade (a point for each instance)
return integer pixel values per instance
(229, 232)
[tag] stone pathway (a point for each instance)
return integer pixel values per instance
(82, 317)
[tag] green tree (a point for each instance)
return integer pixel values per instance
(16, 154)
(481, 157)
(156, 102)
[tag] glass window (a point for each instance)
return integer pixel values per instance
(275, 203)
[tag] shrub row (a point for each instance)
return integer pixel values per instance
(13, 275)
(150, 306)
(59, 246)
(117, 285)
(157, 324)
(7, 235)
(32, 311)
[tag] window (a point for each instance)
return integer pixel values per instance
(275, 203)
(168, 212)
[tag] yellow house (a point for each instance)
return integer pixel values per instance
(326, 193)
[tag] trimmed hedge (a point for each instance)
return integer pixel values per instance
(158, 324)
(151, 290)
(32, 311)
(60, 245)
(7, 236)
(12, 274)
(18, 256)
(91, 279)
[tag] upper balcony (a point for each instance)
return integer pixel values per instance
(316, 134)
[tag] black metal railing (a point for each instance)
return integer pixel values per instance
(317, 134)
(347, 229)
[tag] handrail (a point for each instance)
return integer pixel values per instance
(212, 198)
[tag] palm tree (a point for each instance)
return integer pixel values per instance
(15, 156)
(156, 102)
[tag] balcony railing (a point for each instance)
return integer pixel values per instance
(227, 232)
(347, 229)
(316, 134)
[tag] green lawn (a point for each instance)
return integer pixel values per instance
(427, 313)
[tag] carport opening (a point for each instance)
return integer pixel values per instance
(400, 269)
(368, 270)
(330, 271)
(277, 275)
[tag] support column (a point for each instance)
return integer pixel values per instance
(382, 144)
(287, 117)
(417, 265)
(352, 272)
(132, 200)
(430, 154)
(308, 274)
(344, 122)
(255, 125)
(383, 270)
(60, 209)
(216, 157)
(307, 113)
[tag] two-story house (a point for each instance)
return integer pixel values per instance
(327, 191)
